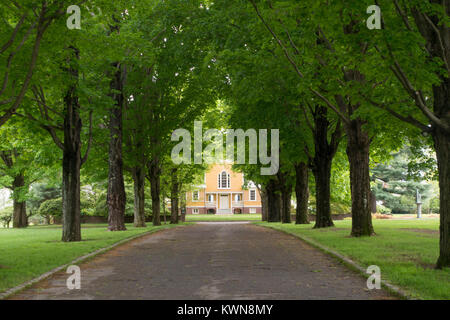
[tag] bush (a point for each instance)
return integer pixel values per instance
(383, 210)
(335, 207)
(51, 208)
(381, 216)
(87, 204)
(6, 216)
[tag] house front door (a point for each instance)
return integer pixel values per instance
(224, 202)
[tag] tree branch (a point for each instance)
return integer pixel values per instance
(13, 36)
(294, 65)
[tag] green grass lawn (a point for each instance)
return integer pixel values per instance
(28, 253)
(405, 251)
(228, 217)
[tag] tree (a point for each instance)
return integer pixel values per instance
(63, 94)
(21, 165)
(23, 33)
(116, 197)
(421, 27)
(339, 79)
(166, 85)
(6, 216)
(301, 193)
(51, 208)
(395, 187)
(310, 133)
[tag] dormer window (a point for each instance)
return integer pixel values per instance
(223, 180)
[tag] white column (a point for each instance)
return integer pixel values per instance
(231, 202)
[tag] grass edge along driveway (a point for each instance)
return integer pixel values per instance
(405, 251)
(27, 253)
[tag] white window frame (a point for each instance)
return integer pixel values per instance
(220, 180)
(237, 196)
(198, 193)
(195, 211)
(210, 198)
(250, 195)
(252, 210)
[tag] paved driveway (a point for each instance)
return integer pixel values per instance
(211, 261)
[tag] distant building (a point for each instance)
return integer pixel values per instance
(223, 193)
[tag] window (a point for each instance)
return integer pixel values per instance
(238, 197)
(210, 198)
(195, 196)
(253, 195)
(252, 210)
(195, 211)
(223, 180)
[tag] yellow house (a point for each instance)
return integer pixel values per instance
(223, 193)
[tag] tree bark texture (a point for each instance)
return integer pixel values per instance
(154, 173)
(358, 145)
(116, 197)
(138, 175)
(20, 219)
(321, 164)
(174, 198)
(71, 160)
(273, 202)
(301, 193)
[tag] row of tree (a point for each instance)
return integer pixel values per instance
(113, 91)
(314, 70)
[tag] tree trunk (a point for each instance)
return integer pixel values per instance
(264, 204)
(174, 195)
(273, 201)
(436, 32)
(301, 193)
(19, 214)
(286, 193)
(182, 205)
(154, 176)
(373, 202)
(116, 197)
(20, 207)
(71, 162)
(442, 147)
(321, 164)
(358, 145)
(71, 175)
(164, 207)
(138, 175)
(286, 206)
(322, 176)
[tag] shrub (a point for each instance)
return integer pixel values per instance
(381, 216)
(6, 216)
(51, 208)
(383, 210)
